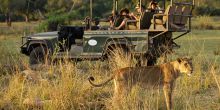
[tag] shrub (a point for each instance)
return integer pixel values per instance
(207, 10)
(204, 22)
(14, 17)
(2, 17)
(55, 19)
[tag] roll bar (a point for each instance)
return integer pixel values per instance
(90, 27)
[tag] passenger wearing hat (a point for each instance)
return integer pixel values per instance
(144, 17)
(121, 21)
(153, 7)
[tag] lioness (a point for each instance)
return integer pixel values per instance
(164, 75)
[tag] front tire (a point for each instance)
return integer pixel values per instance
(38, 56)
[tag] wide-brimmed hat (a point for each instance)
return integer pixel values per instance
(155, 3)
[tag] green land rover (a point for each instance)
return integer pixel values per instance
(84, 42)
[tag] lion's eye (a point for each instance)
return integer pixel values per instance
(185, 64)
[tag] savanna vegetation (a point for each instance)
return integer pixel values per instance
(64, 85)
(59, 12)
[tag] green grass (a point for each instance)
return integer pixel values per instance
(200, 43)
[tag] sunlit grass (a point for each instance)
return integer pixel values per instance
(205, 22)
(64, 85)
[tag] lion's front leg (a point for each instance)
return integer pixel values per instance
(167, 88)
(120, 90)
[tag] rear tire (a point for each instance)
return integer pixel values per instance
(146, 61)
(151, 61)
(38, 56)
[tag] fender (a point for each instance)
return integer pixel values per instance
(116, 41)
(36, 43)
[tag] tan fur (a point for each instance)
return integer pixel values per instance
(162, 75)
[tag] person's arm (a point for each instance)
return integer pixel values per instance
(111, 23)
(121, 25)
(133, 16)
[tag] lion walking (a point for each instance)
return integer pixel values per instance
(161, 75)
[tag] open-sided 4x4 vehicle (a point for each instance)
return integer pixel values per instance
(75, 42)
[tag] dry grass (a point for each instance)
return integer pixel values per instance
(65, 85)
(18, 28)
(205, 22)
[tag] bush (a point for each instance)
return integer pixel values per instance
(204, 22)
(207, 10)
(216, 12)
(75, 15)
(2, 17)
(14, 17)
(54, 20)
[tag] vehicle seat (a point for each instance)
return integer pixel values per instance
(68, 35)
(145, 20)
(186, 13)
(170, 10)
(131, 24)
(178, 13)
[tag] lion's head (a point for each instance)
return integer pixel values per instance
(185, 65)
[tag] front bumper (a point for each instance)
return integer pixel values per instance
(24, 51)
(24, 46)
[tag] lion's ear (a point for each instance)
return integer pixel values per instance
(179, 60)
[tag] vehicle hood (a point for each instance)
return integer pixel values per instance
(44, 35)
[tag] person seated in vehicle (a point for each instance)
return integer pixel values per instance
(153, 7)
(139, 10)
(87, 22)
(142, 17)
(96, 24)
(122, 20)
(113, 18)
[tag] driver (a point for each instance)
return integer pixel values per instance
(124, 16)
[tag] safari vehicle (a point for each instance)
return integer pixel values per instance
(81, 43)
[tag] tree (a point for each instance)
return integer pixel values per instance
(30, 6)
(11, 6)
(59, 5)
(5, 7)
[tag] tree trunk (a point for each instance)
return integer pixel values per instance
(8, 19)
(27, 18)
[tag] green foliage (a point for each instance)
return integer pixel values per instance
(79, 9)
(56, 19)
(12, 5)
(54, 5)
(2, 17)
(207, 10)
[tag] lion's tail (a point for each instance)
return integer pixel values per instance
(91, 79)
